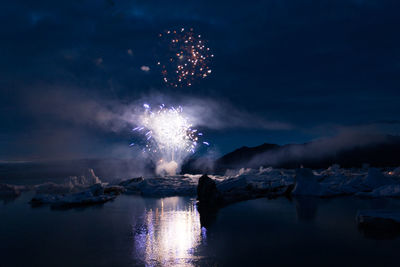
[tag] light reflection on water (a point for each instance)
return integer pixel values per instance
(136, 231)
(169, 233)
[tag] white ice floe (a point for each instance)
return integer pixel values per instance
(81, 190)
(374, 184)
(391, 190)
(250, 184)
(306, 183)
(94, 195)
(70, 185)
(326, 184)
(330, 182)
(161, 186)
(177, 185)
(336, 181)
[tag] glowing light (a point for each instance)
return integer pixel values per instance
(169, 234)
(145, 68)
(187, 54)
(169, 136)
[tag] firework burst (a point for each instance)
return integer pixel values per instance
(187, 57)
(168, 135)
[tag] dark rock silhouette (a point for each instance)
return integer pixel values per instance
(212, 196)
(208, 200)
(207, 192)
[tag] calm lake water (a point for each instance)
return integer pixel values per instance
(136, 231)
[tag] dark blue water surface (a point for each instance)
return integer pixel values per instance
(137, 231)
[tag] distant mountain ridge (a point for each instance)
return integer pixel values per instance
(244, 153)
(380, 151)
(385, 153)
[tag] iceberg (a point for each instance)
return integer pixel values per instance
(179, 185)
(70, 185)
(92, 196)
(391, 190)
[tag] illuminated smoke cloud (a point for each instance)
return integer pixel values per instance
(166, 168)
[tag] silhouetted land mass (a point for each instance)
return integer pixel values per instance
(383, 153)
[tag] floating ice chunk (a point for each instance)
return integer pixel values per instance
(368, 183)
(94, 195)
(70, 185)
(306, 183)
(374, 179)
(392, 190)
(241, 171)
(167, 186)
(89, 178)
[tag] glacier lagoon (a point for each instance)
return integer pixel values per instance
(138, 231)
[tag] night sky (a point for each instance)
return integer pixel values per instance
(303, 69)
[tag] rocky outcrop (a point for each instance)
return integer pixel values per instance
(207, 193)
(209, 200)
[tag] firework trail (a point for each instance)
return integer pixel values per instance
(168, 135)
(188, 57)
